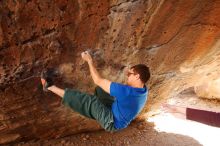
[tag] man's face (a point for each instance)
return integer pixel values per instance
(130, 76)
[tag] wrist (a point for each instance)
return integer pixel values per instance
(89, 61)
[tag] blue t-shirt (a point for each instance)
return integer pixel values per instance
(129, 102)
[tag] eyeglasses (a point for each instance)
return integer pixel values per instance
(130, 73)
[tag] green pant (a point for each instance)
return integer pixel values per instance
(97, 106)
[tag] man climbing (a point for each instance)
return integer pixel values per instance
(113, 105)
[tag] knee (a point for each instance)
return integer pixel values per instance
(98, 89)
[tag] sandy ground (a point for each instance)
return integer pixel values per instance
(163, 130)
(139, 133)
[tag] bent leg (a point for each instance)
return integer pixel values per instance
(104, 97)
(89, 106)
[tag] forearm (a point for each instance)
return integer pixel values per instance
(94, 73)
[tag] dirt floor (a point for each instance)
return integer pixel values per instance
(137, 134)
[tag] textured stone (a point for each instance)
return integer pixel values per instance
(179, 40)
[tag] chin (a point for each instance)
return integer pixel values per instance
(128, 84)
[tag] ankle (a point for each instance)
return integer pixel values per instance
(51, 87)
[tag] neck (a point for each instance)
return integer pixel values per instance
(138, 85)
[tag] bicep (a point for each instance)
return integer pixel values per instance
(104, 84)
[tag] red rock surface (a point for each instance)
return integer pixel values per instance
(178, 39)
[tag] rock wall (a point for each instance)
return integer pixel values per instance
(177, 39)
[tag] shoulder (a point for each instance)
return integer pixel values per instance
(139, 91)
(120, 85)
(118, 89)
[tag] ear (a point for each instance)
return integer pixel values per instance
(137, 76)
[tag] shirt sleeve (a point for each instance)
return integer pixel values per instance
(118, 90)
